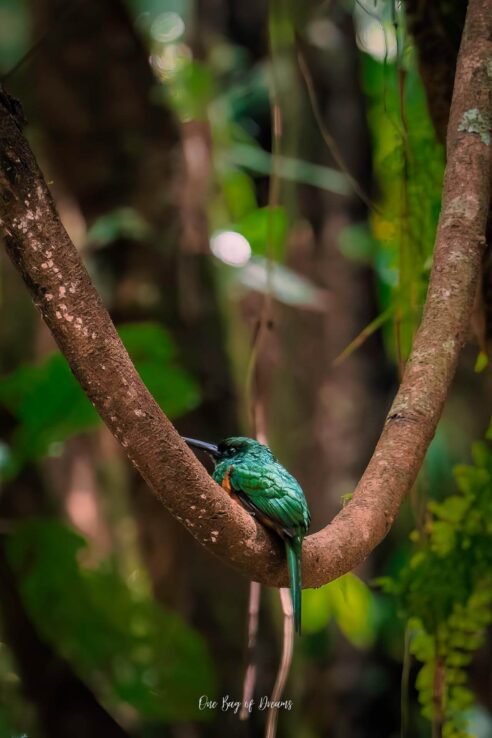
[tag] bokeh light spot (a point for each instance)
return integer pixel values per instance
(167, 27)
(230, 247)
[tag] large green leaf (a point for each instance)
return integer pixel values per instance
(347, 601)
(50, 406)
(126, 647)
(266, 231)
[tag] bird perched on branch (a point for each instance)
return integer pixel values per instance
(251, 474)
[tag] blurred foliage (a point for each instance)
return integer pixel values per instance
(14, 33)
(409, 166)
(348, 602)
(284, 284)
(192, 89)
(17, 716)
(118, 224)
(131, 651)
(265, 229)
(49, 406)
(258, 161)
(408, 162)
(128, 648)
(445, 592)
(229, 93)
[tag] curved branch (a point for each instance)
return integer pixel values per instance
(61, 289)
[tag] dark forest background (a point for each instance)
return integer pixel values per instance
(255, 190)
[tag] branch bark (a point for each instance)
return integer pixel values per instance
(61, 289)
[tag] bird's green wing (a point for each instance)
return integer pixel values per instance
(274, 493)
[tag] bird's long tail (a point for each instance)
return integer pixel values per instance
(293, 551)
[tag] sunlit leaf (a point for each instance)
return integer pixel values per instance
(348, 602)
(481, 362)
(409, 165)
(266, 230)
(191, 90)
(239, 194)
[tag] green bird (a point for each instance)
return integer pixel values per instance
(250, 473)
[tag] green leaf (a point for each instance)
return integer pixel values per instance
(481, 362)
(452, 509)
(488, 433)
(192, 90)
(126, 647)
(348, 601)
(357, 243)
(50, 406)
(144, 340)
(443, 537)
(239, 194)
(481, 459)
(423, 645)
(121, 223)
(152, 350)
(266, 230)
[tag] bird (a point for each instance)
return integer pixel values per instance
(251, 474)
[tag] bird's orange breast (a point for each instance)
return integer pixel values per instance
(226, 481)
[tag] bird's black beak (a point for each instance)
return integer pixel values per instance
(210, 448)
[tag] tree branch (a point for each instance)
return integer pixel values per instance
(61, 289)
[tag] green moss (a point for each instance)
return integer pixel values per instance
(445, 591)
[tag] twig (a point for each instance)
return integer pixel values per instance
(328, 138)
(250, 675)
(404, 686)
(285, 662)
(39, 42)
(253, 395)
(365, 333)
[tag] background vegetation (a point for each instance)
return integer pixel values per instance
(255, 190)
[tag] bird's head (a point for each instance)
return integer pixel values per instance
(238, 445)
(229, 447)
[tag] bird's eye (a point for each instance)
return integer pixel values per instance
(232, 450)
